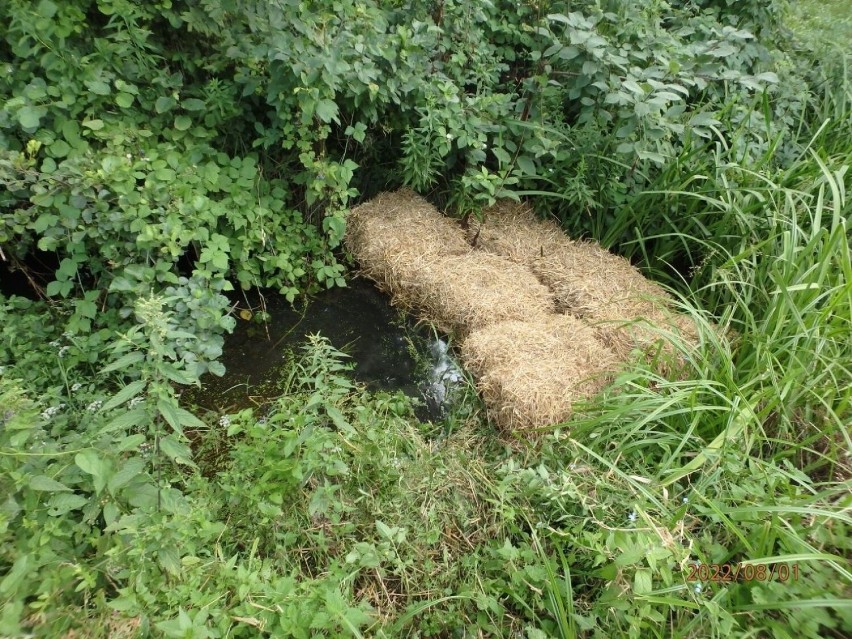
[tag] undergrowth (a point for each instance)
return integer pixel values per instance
(333, 511)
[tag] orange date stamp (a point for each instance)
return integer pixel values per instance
(742, 572)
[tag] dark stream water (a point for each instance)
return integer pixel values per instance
(388, 351)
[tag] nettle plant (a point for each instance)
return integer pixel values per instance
(76, 460)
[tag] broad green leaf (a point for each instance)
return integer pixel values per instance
(124, 100)
(127, 393)
(193, 104)
(632, 85)
(174, 374)
(47, 484)
(338, 419)
(98, 87)
(29, 117)
(124, 362)
(188, 419)
(131, 442)
(642, 583)
(126, 421)
(176, 450)
(111, 513)
(94, 125)
(59, 149)
(526, 165)
(326, 110)
(170, 560)
(569, 53)
(384, 530)
(35, 92)
(164, 104)
(183, 122)
(129, 470)
(217, 368)
(53, 288)
(62, 503)
(169, 412)
(502, 156)
(704, 119)
(89, 462)
(46, 9)
(220, 260)
(19, 571)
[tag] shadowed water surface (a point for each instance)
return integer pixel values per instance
(389, 353)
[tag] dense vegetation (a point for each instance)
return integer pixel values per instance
(156, 156)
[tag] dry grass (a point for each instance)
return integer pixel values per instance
(460, 293)
(511, 229)
(587, 280)
(531, 373)
(659, 329)
(424, 261)
(399, 227)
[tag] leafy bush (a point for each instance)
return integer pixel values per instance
(155, 156)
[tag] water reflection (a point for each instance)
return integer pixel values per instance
(388, 351)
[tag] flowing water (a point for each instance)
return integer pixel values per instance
(388, 351)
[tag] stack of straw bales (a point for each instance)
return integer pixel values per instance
(544, 320)
(424, 260)
(627, 310)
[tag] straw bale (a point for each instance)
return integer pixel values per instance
(511, 229)
(649, 334)
(587, 280)
(463, 292)
(531, 373)
(399, 226)
(584, 276)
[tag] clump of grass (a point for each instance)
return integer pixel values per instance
(747, 457)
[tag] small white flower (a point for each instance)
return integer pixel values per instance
(224, 421)
(136, 401)
(63, 351)
(94, 406)
(632, 516)
(55, 343)
(129, 157)
(49, 412)
(685, 500)
(67, 335)
(449, 136)
(698, 589)
(76, 387)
